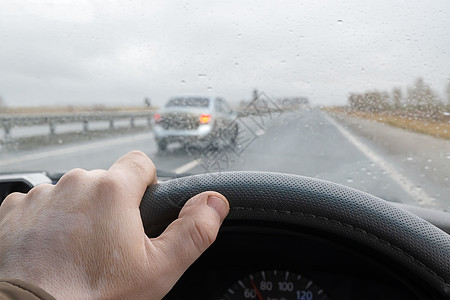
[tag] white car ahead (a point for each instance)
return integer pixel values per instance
(195, 122)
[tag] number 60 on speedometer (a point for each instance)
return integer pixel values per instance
(275, 285)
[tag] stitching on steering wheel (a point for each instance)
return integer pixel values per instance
(360, 230)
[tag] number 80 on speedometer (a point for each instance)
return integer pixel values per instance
(275, 285)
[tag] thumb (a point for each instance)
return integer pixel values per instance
(186, 238)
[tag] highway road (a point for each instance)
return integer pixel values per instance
(390, 163)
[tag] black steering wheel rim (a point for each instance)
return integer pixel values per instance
(302, 201)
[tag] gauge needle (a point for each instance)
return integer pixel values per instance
(256, 289)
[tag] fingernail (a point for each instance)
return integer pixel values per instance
(219, 205)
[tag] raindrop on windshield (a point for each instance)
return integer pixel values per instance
(340, 21)
(183, 81)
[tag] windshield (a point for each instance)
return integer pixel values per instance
(352, 92)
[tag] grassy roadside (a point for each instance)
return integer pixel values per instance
(428, 126)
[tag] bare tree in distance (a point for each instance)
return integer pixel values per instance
(421, 94)
(420, 102)
(397, 97)
(373, 101)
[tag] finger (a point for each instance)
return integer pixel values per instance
(11, 201)
(136, 171)
(191, 234)
(39, 191)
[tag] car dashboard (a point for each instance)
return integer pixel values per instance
(250, 261)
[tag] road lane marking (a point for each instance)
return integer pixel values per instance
(74, 149)
(408, 186)
(186, 167)
(260, 132)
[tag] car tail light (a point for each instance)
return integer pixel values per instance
(157, 118)
(204, 118)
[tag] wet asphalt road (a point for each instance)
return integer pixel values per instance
(308, 143)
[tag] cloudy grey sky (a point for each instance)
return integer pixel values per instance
(118, 52)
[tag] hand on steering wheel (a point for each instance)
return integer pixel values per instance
(84, 238)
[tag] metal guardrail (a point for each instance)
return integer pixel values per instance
(8, 121)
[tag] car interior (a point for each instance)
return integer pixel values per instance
(299, 238)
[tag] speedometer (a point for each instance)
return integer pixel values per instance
(275, 285)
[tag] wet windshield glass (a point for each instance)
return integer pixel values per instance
(351, 92)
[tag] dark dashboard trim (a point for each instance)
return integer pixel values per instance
(235, 243)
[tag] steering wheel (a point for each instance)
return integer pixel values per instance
(295, 200)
